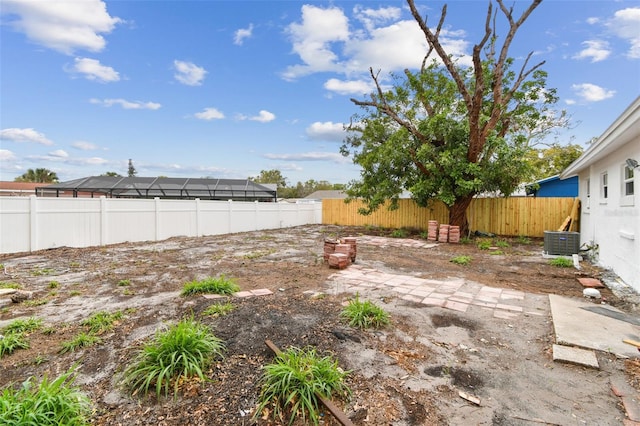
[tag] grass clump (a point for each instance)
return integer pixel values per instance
(55, 402)
(11, 342)
(461, 260)
(399, 233)
(124, 283)
(503, 243)
(561, 262)
(291, 382)
(102, 321)
(523, 239)
(23, 325)
(5, 284)
(173, 356)
(219, 309)
(364, 314)
(484, 244)
(82, 340)
(218, 285)
(496, 252)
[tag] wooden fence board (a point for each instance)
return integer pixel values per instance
(526, 216)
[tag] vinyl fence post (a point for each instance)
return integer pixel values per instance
(157, 207)
(33, 223)
(230, 216)
(103, 220)
(198, 232)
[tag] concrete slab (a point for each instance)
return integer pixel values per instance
(575, 356)
(6, 291)
(575, 326)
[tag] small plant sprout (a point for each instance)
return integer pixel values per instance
(291, 383)
(502, 243)
(54, 284)
(461, 260)
(82, 340)
(172, 358)
(218, 285)
(124, 283)
(561, 262)
(484, 244)
(218, 309)
(364, 314)
(523, 239)
(101, 321)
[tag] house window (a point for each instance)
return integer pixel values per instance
(628, 189)
(604, 187)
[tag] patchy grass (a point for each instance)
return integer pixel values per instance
(218, 285)
(290, 384)
(23, 325)
(101, 321)
(400, 233)
(364, 314)
(219, 309)
(484, 244)
(561, 262)
(82, 340)
(124, 283)
(11, 342)
(461, 260)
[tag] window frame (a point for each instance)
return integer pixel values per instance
(627, 177)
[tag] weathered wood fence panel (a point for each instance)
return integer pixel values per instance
(527, 216)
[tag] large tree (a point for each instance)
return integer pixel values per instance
(38, 176)
(450, 131)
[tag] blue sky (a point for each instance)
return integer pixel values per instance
(226, 89)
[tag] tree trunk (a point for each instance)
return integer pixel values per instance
(458, 214)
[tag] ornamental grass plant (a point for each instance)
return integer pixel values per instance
(292, 383)
(173, 356)
(364, 314)
(54, 403)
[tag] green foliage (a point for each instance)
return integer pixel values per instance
(82, 340)
(54, 403)
(10, 285)
(291, 382)
(219, 309)
(523, 239)
(364, 314)
(496, 252)
(54, 284)
(23, 325)
(503, 244)
(399, 233)
(10, 342)
(552, 160)
(484, 244)
(461, 260)
(124, 283)
(218, 285)
(182, 352)
(101, 321)
(38, 176)
(561, 262)
(466, 240)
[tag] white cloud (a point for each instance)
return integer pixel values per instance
(241, 34)
(327, 131)
(312, 39)
(625, 24)
(593, 20)
(64, 26)
(6, 155)
(374, 17)
(310, 156)
(263, 117)
(126, 104)
(84, 146)
(92, 69)
(596, 50)
(209, 114)
(592, 93)
(189, 73)
(59, 153)
(24, 135)
(353, 87)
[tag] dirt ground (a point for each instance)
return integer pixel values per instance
(409, 373)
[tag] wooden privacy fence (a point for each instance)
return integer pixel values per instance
(515, 216)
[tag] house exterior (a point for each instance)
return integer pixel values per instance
(609, 179)
(18, 189)
(554, 187)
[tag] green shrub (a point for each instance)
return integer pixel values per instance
(290, 384)
(82, 340)
(364, 314)
(461, 260)
(218, 309)
(211, 285)
(561, 262)
(179, 353)
(399, 233)
(53, 403)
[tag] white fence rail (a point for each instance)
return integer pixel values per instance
(36, 223)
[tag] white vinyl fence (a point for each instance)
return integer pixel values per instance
(36, 223)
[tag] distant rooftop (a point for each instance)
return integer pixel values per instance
(161, 187)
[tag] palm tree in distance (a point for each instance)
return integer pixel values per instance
(38, 176)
